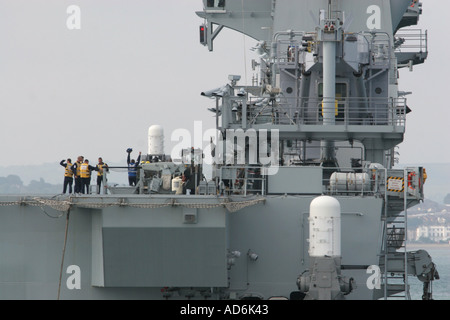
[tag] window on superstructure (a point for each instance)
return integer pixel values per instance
(215, 4)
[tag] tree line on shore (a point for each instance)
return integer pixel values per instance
(13, 184)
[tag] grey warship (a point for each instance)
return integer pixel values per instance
(304, 201)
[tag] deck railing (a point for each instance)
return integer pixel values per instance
(308, 111)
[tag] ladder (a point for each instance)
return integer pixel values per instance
(394, 255)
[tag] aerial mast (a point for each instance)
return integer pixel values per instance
(329, 35)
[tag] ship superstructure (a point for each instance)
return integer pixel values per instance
(304, 201)
(328, 84)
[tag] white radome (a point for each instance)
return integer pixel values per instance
(155, 140)
(325, 227)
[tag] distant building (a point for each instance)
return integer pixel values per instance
(435, 233)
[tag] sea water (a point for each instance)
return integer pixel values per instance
(440, 255)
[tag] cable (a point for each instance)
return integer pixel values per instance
(63, 253)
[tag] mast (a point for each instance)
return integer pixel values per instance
(329, 36)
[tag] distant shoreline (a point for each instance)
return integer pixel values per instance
(427, 245)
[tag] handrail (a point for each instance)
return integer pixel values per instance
(349, 111)
(409, 40)
(239, 182)
(241, 179)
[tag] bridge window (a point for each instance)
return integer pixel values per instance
(215, 4)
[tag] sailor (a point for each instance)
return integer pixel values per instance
(101, 166)
(68, 175)
(132, 168)
(76, 171)
(188, 179)
(85, 173)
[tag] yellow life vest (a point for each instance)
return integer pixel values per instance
(100, 169)
(68, 172)
(84, 170)
(78, 168)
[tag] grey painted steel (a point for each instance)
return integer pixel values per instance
(32, 244)
(249, 237)
(314, 176)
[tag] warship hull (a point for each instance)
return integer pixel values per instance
(303, 203)
(124, 249)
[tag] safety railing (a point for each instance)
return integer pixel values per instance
(411, 40)
(242, 180)
(356, 181)
(116, 181)
(397, 184)
(251, 180)
(309, 111)
(289, 52)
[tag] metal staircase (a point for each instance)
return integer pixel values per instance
(394, 255)
(404, 189)
(396, 258)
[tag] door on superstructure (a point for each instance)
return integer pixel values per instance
(341, 100)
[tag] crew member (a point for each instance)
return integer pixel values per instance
(76, 171)
(101, 166)
(68, 175)
(85, 173)
(132, 168)
(189, 181)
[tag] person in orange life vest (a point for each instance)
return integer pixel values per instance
(101, 166)
(68, 175)
(85, 173)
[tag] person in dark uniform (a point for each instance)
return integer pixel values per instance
(189, 181)
(76, 171)
(68, 175)
(132, 168)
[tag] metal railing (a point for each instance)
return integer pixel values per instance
(354, 181)
(242, 180)
(411, 40)
(250, 180)
(115, 181)
(358, 181)
(308, 111)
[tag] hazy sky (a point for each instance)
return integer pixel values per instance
(135, 63)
